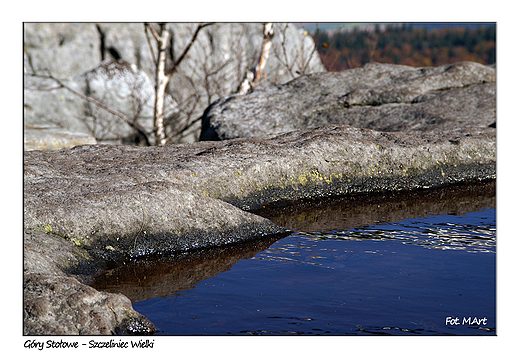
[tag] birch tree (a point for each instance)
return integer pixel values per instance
(252, 77)
(162, 75)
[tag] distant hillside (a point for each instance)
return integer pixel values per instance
(406, 44)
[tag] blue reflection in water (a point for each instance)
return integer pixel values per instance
(414, 277)
(474, 232)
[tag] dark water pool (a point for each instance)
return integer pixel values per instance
(431, 274)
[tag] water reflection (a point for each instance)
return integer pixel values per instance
(361, 210)
(143, 279)
(351, 218)
(303, 285)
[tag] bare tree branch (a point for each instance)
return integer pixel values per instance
(152, 30)
(297, 60)
(284, 49)
(314, 49)
(147, 26)
(181, 57)
(266, 48)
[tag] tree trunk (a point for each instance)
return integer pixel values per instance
(251, 78)
(161, 81)
(266, 48)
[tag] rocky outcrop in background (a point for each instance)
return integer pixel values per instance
(113, 64)
(117, 84)
(382, 97)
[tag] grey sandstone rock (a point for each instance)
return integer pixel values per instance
(249, 173)
(93, 206)
(57, 300)
(382, 97)
(118, 85)
(115, 220)
(65, 49)
(60, 305)
(53, 138)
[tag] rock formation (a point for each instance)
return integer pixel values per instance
(381, 97)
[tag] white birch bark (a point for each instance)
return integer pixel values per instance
(161, 81)
(252, 78)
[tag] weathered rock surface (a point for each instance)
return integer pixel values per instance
(65, 49)
(57, 300)
(60, 305)
(117, 218)
(382, 97)
(118, 85)
(249, 173)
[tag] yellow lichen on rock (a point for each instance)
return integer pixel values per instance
(302, 178)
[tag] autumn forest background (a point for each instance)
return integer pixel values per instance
(405, 44)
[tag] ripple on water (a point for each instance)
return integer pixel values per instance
(474, 232)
